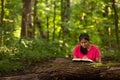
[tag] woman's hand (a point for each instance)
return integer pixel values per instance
(98, 60)
(84, 57)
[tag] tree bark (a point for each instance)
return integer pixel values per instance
(27, 29)
(116, 23)
(54, 18)
(47, 22)
(2, 21)
(65, 5)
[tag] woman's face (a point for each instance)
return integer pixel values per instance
(84, 43)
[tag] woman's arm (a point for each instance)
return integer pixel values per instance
(98, 60)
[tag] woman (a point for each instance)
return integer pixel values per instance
(86, 50)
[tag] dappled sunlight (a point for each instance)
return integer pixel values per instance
(33, 32)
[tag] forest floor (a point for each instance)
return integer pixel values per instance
(66, 69)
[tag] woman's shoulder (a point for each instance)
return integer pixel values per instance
(77, 46)
(95, 46)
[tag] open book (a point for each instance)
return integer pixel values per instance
(81, 60)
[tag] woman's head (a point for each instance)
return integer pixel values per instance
(84, 36)
(84, 40)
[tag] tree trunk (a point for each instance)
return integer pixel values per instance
(54, 20)
(47, 22)
(37, 22)
(116, 23)
(35, 14)
(65, 5)
(27, 29)
(2, 21)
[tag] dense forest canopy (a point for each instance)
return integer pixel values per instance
(52, 27)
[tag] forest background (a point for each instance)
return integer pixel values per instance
(35, 30)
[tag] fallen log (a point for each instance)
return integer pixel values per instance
(66, 69)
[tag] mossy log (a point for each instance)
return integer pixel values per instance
(66, 69)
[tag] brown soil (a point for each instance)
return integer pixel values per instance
(66, 69)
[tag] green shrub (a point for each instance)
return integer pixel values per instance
(8, 66)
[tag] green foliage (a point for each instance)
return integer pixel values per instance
(108, 65)
(9, 62)
(9, 66)
(85, 16)
(29, 52)
(40, 47)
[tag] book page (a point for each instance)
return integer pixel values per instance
(82, 60)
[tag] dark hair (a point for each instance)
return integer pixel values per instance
(84, 36)
(83, 50)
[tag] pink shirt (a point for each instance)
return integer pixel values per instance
(92, 54)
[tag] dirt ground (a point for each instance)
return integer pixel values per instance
(66, 69)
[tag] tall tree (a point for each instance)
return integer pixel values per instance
(65, 5)
(2, 21)
(54, 18)
(116, 23)
(27, 29)
(37, 22)
(35, 14)
(47, 22)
